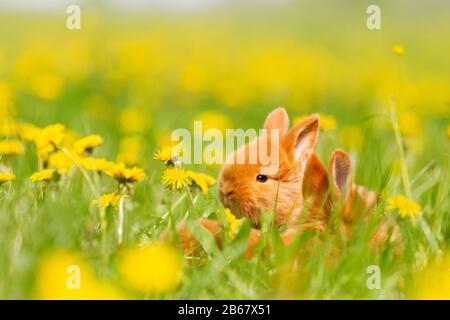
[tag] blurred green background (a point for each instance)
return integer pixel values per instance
(133, 73)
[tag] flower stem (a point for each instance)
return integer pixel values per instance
(406, 181)
(171, 217)
(399, 141)
(120, 222)
(83, 172)
(191, 202)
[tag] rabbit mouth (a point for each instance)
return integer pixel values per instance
(245, 210)
(242, 210)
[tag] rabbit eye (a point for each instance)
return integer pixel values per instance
(261, 178)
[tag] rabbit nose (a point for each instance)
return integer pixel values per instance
(227, 193)
(226, 190)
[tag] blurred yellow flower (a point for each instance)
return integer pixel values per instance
(175, 177)
(233, 93)
(163, 137)
(410, 124)
(87, 144)
(193, 77)
(233, 222)
(6, 177)
(129, 149)
(97, 164)
(398, 49)
(133, 120)
(47, 86)
(6, 99)
(432, 283)
(448, 131)
(153, 268)
(65, 275)
(11, 147)
(49, 139)
(327, 122)
(164, 154)
(126, 175)
(7, 126)
(203, 181)
(214, 120)
(128, 158)
(108, 200)
(406, 207)
(27, 131)
(61, 162)
(351, 137)
(42, 175)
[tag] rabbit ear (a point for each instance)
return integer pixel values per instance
(277, 119)
(340, 169)
(315, 188)
(302, 137)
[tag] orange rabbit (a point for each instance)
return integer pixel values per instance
(293, 183)
(250, 188)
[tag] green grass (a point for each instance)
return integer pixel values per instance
(323, 266)
(62, 218)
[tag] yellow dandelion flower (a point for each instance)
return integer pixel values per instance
(448, 131)
(6, 177)
(49, 139)
(175, 177)
(11, 147)
(65, 275)
(69, 139)
(61, 162)
(108, 200)
(327, 122)
(97, 164)
(126, 175)
(87, 144)
(28, 131)
(164, 154)
(398, 49)
(210, 180)
(201, 180)
(153, 268)
(233, 222)
(406, 207)
(127, 158)
(42, 175)
(7, 126)
(47, 86)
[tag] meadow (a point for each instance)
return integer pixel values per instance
(85, 123)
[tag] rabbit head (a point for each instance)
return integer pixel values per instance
(274, 181)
